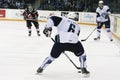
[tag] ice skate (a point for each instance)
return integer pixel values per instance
(40, 70)
(97, 38)
(85, 72)
(29, 34)
(38, 34)
(111, 40)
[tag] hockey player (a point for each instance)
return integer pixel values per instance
(65, 40)
(31, 16)
(102, 18)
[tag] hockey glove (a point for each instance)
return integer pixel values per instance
(47, 32)
(106, 15)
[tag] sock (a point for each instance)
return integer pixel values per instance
(29, 31)
(82, 60)
(98, 32)
(37, 30)
(48, 60)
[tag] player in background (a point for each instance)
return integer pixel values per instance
(31, 16)
(102, 18)
(65, 40)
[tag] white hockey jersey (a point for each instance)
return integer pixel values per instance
(67, 29)
(102, 14)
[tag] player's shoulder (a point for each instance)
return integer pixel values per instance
(55, 17)
(61, 18)
(97, 9)
(34, 9)
(106, 6)
(68, 19)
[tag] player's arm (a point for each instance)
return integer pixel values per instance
(25, 14)
(98, 17)
(108, 12)
(48, 28)
(35, 14)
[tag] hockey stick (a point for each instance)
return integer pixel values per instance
(89, 35)
(67, 56)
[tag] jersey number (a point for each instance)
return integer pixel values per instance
(71, 28)
(105, 15)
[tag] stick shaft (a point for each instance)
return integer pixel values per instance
(89, 34)
(68, 57)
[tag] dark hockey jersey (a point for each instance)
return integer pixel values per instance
(29, 15)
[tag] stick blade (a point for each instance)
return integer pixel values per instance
(83, 40)
(78, 68)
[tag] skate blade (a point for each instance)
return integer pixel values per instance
(38, 73)
(86, 75)
(96, 39)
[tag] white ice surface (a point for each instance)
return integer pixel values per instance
(20, 55)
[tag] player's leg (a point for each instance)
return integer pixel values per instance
(36, 24)
(28, 22)
(79, 52)
(107, 26)
(99, 24)
(55, 53)
(48, 60)
(83, 65)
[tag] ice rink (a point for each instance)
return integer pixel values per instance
(20, 55)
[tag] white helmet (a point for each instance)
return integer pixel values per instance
(101, 2)
(30, 8)
(71, 15)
